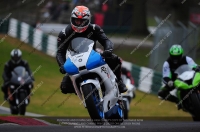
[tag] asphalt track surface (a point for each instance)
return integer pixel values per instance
(127, 126)
(144, 126)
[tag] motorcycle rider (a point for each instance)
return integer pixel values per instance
(9, 66)
(81, 27)
(175, 60)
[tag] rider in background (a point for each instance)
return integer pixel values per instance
(175, 60)
(124, 71)
(9, 66)
(127, 73)
(81, 27)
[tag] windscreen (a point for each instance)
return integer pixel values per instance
(182, 69)
(20, 71)
(79, 45)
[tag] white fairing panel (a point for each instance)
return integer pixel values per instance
(186, 75)
(81, 59)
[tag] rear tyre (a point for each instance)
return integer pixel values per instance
(125, 109)
(96, 112)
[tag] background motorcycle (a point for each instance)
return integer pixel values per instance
(94, 82)
(128, 95)
(18, 90)
(188, 90)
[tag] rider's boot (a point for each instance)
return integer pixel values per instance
(121, 86)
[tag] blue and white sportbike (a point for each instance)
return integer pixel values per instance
(94, 82)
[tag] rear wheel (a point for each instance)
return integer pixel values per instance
(92, 100)
(125, 109)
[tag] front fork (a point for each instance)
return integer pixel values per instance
(10, 95)
(13, 95)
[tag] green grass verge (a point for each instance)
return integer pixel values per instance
(48, 99)
(137, 57)
(151, 21)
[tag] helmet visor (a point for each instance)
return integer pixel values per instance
(79, 22)
(16, 59)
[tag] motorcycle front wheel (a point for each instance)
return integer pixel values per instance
(22, 107)
(92, 101)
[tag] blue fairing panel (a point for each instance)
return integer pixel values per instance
(70, 68)
(95, 60)
(114, 113)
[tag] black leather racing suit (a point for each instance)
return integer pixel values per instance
(8, 68)
(93, 32)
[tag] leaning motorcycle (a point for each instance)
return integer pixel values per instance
(128, 95)
(188, 90)
(18, 90)
(94, 82)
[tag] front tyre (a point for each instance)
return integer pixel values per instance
(14, 110)
(196, 118)
(22, 107)
(195, 101)
(92, 100)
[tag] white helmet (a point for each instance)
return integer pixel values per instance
(16, 56)
(80, 18)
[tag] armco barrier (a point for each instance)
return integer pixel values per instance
(146, 79)
(46, 43)
(4, 26)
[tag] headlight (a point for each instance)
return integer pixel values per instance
(12, 86)
(26, 101)
(17, 101)
(30, 86)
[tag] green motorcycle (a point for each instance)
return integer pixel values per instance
(188, 90)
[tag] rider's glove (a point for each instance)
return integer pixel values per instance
(62, 70)
(196, 69)
(170, 84)
(107, 53)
